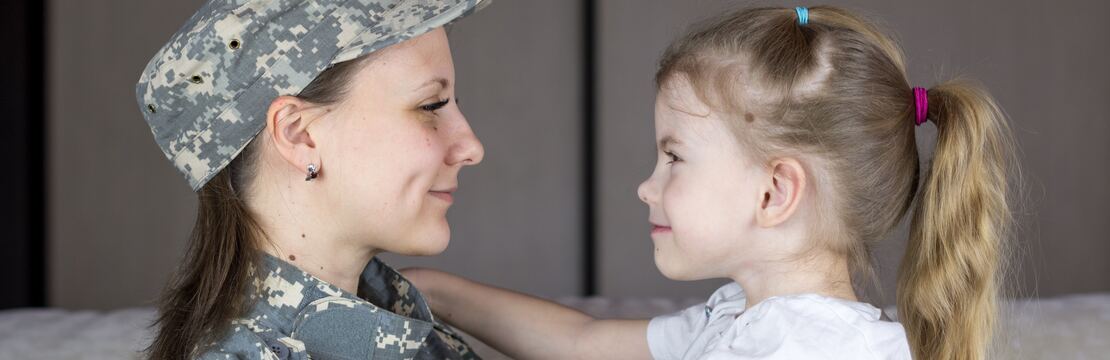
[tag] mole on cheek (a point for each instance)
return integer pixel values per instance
(292, 257)
(749, 117)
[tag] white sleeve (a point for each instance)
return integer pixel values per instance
(669, 336)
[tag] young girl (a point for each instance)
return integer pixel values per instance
(786, 150)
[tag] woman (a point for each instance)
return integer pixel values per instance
(299, 193)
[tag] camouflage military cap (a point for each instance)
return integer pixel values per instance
(206, 92)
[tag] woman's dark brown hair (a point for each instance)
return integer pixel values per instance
(208, 290)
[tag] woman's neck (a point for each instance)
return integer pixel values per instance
(304, 240)
(342, 268)
(825, 275)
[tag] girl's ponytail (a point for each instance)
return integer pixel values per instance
(949, 280)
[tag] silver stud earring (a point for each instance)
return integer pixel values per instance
(312, 172)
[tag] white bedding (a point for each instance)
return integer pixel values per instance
(1070, 327)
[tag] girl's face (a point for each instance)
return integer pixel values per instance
(702, 195)
(394, 148)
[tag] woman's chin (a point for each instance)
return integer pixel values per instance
(432, 249)
(429, 244)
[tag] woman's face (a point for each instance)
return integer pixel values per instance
(394, 148)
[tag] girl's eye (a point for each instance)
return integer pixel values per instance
(435, 106)
(672, 156)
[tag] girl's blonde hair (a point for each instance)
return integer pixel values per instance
(834, 92)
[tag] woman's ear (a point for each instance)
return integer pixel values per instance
(781, 193)
(287, 125)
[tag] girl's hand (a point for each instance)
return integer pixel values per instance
(523, 326)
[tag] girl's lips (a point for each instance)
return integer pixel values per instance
(655, 229)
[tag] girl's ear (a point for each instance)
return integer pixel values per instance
(781, 192)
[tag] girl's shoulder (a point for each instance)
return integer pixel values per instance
(808, 325)
(815, 307)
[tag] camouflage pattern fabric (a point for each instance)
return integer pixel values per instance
(298, 316)
(205, 93)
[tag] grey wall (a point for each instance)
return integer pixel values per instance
(119, 213)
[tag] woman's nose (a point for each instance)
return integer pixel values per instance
(467, 149)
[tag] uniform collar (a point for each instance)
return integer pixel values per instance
(381, 285)
(305, 307)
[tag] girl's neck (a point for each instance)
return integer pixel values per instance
(825, 275)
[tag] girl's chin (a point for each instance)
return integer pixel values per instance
(668, 270)
(675, 271)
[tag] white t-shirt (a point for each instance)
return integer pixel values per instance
(808, 326)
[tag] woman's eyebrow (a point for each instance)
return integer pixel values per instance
(443, 83)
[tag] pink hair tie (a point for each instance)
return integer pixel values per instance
(921, 105)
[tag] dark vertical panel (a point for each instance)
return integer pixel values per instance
(37, 181)
(22, 261)
(589, 141)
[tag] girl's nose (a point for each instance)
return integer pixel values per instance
(646, 191)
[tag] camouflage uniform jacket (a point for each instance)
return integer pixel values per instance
(298, 316)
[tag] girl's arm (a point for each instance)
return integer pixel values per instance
(526, 327)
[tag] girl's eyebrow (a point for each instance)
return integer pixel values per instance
(684, 111)
(668, 140)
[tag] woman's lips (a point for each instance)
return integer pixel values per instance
(656, 229)
(445, 196)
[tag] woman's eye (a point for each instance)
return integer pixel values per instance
(435, 106)
(672, 156)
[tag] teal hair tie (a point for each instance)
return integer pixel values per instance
(803, 15)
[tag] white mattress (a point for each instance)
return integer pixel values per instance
(1070, 327)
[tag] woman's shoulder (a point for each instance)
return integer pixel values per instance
(331, 322)
(244, 341)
